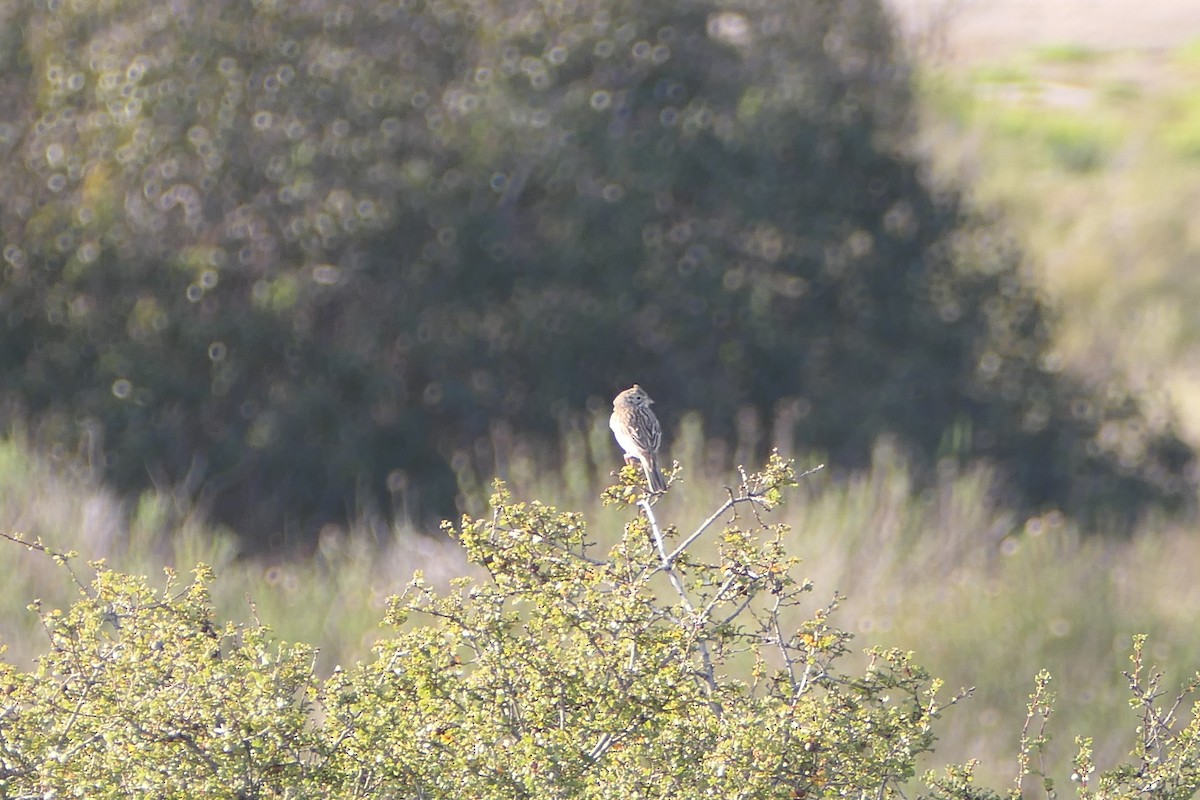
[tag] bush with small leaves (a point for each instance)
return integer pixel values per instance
(636, 670)
(143, 694)
(1164, 763)
(564, 670)
(671, 662)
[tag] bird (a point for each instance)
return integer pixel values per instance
(638, 433)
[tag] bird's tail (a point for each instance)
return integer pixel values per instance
(654, 476)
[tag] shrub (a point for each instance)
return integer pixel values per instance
(142, 693)
(564, 671)
(673, 663)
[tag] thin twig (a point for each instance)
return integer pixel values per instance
(710, 679)
(678, 551)
(61, 558)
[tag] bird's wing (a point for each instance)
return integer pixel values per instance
(646, 431)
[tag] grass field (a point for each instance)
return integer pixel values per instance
(1094, 156)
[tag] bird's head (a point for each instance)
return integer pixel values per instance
(634, 395)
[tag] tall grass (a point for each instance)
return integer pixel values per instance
(1093, 158)
(334, 597)
(984, 599)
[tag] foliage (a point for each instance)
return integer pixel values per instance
(574, 673)
(909, 564)
(1165, 761)
(297, 258)
(563, 670)
(143, 693)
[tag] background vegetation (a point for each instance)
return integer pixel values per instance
(1083, 153)
(296, 261)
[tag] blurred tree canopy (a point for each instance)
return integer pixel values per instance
(305, 252)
